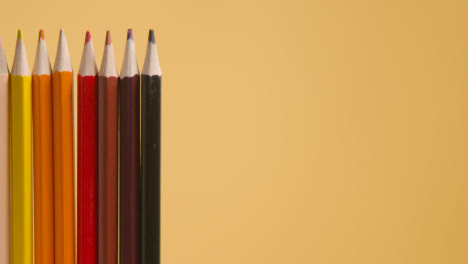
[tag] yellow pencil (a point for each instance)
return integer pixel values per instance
(21, 157)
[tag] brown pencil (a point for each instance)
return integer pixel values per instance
(107, 157)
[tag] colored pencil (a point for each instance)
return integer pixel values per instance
(108, 157)
(62, 86)
(21, 157)
(43, 156)
(150, 154)
(87, 156)
(129, 155)
(4, 160)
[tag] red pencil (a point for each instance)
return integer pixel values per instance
(87, 156)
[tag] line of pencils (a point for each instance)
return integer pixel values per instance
(118, 156)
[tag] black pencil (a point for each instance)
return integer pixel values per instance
(150, 154)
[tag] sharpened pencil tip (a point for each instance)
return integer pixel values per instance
(20, 34)
(130, 34)
(108, 38)
(88, 37)
(41, 34)
(61, 34)
(151, 36)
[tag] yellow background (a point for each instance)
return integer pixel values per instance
(300, 131)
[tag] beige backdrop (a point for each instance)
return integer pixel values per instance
(300, 131)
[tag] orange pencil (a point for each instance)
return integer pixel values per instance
(5, 248)
(62, 97)
(43, 158)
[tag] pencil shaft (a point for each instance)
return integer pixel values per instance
(21, 169)
(43, 170)
(4, 171)
(150, 167)
(62, 85)
(129, 169)
(108, 178)
(87, 170)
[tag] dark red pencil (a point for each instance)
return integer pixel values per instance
(87, 156)
(107, 157)
(129, 156)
